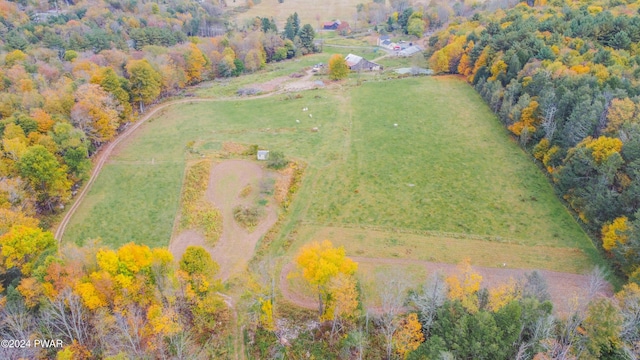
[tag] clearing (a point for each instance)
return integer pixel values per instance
(235, 247)
(445, 184)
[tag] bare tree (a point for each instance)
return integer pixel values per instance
(549, 122)
(67, 318)
(432, 297)
(602, 121)
(129, 326)
(597, 282)
(17, 323)
(534, 285)
(393, 288)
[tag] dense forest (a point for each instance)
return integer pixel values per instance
(564, 78)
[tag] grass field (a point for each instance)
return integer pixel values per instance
(309, 11)
(447, 183)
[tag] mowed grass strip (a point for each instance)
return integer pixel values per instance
(386, 244)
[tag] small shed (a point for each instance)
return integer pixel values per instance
(263, 154)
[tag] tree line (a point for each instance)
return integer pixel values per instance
(449, 316)
(564, 79)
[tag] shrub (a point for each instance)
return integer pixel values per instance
(247, 216)
(277, 160)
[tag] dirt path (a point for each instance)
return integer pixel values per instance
(236, 245)
(562, 287)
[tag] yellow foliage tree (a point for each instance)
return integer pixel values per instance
(464, 67)
(320, 262)
(528, 119)
(135, 257)
(498, 67)
(615, 233)
(338, 68)
(620, 112)
(266, 314)
(107, 260)
(581, 69)
(343, 299)
(541, 149)
(44, 120)
(408, 336)
(439, 62)
(502, 295)
(195, 63)
(91, 298)
(464, 286)
(603, 147)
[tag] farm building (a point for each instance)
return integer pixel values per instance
(411, 50)
(331, 25)
(263, 154)
(383, 38)
(340, 26)
(358, 63)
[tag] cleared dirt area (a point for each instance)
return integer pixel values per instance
(235, 247)
(562, 287)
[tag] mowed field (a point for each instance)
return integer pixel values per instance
(308, 11)
(445, 184)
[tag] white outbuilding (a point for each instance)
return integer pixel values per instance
(263, 154)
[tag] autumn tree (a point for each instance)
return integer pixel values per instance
(320, 262)
(145, 82)
(393, 287)
(117, 86)
(614, 233)
(23, 247)
(195, 62)
(338, 68)
(342, 303)
(620, 112)
(464, 286)
(45, 175)
(95, 113)
(408, 336)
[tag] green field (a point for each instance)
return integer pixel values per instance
(448, 174)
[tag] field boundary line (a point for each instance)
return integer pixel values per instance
(434, 233)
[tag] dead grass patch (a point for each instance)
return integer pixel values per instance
(248, 216)
(234, 148)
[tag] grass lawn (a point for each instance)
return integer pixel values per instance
(445, 184)
(136, 196)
